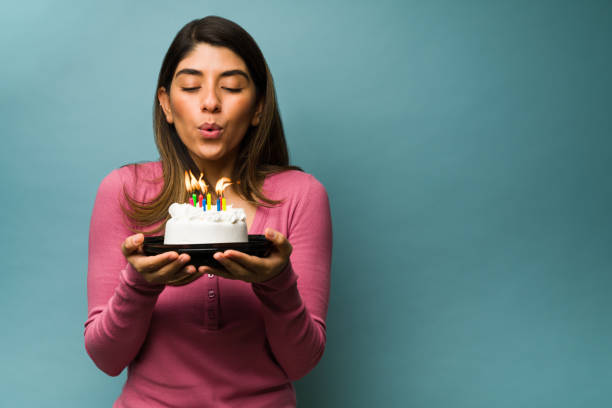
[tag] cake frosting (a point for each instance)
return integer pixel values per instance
(193, 225)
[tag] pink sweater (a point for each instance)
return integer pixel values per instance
(214, 342)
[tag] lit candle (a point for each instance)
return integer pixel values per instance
(194, 199)
(222, 184)
(201, 185)
(208, 201)
(188, 186)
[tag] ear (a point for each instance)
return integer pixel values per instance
(257, 115)
(164, 102)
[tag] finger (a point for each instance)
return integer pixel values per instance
(235, 268)
(186, 271)
(173, 269)
(170, 271)
(132, 244)
(152, 264)
(187, 275)
(251, 262)
(186, 280)
(216, 271)
(280, 241)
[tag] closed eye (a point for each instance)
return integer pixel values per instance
(233, 90)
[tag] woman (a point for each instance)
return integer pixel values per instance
(227, 337)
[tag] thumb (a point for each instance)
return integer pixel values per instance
(131, 244)
(280, 241)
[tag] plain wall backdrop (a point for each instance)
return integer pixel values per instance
(465, 147)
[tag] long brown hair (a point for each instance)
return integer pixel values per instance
(263, 149)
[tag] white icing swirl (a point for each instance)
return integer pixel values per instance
(189, 212)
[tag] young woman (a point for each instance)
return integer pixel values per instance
(231, 337)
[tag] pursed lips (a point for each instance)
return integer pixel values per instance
(210, 131)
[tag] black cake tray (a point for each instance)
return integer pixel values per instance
(202, 254)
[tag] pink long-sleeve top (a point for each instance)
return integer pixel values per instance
(214, 342)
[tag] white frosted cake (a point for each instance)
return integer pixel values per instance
(193, 225)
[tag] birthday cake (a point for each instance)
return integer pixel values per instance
(191, 224)
(204, 222)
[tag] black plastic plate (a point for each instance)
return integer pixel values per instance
(202, 254)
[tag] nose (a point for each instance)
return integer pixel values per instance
(210, 100)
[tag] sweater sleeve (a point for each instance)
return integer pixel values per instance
(295, 301)
(120, 301)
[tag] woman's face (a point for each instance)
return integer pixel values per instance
(211, 87)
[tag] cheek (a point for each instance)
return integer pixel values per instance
(177, 112)
(242, 110)
(180, 108)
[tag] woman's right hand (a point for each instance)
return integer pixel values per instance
(168, 268)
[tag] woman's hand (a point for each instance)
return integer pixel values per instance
(168, 268)
(248, 268)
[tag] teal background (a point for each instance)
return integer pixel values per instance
(465, 147)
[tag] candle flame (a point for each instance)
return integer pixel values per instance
(187, 182)
(222, 184)
(192, 184)
(202, 184)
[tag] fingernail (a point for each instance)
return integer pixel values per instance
(184, 257)
(137, 240)
(172, 256)
(271, 234)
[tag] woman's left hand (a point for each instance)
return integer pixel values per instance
(248, 268)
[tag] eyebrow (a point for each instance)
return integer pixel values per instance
(191, 71)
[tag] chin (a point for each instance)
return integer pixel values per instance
(212, 156)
